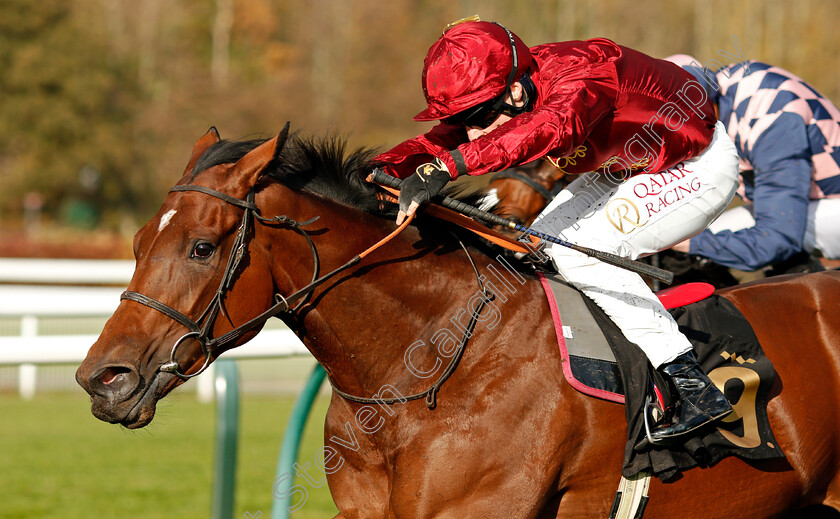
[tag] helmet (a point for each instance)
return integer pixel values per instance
(471, 63)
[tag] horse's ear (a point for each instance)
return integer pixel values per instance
(250, 167)
(210, 138)
(282, 137)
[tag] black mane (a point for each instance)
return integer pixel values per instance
(321, 166)
(318, 165)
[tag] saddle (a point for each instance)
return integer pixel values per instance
(599, 361)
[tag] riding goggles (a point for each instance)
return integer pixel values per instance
(483, 115)
(480, 116)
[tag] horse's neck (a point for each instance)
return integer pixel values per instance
(399, 313)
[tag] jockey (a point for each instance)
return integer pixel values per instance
(788, 140)
(640, 134)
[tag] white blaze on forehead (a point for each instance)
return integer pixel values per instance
(490, 200)
(164, 220)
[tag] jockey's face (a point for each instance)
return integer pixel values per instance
(516, 99)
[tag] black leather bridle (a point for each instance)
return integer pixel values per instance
(202, 328)
(525, 179)
(517, 174)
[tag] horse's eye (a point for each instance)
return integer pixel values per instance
(202, 250)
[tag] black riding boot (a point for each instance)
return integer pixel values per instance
(700, 401)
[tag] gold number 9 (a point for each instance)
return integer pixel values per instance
(744, 408)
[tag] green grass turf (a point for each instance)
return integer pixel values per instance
(58, 461)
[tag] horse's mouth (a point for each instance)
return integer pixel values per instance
(141, 413)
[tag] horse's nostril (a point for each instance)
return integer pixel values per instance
(114, 374)
(116, 381)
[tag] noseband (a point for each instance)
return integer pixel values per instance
(202, 328)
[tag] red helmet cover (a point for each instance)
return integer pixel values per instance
(468, 65)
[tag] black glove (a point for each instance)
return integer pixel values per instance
(423, 185)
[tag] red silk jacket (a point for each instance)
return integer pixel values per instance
(600, 106)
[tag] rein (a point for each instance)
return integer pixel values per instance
(201, 329)
(431, 394)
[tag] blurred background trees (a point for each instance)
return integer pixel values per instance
(101, 100)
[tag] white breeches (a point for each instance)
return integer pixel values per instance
(640, 216)
(822, 232)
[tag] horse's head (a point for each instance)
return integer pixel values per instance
(523, 192)
(190, 272)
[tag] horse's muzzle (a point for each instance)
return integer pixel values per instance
(111, 388)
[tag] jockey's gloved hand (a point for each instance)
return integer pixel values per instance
(422, 186)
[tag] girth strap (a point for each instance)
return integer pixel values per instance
(632, 497)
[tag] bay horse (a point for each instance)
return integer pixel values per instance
(521, 193)
(504, 435)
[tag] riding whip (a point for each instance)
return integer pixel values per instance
(380, 177)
